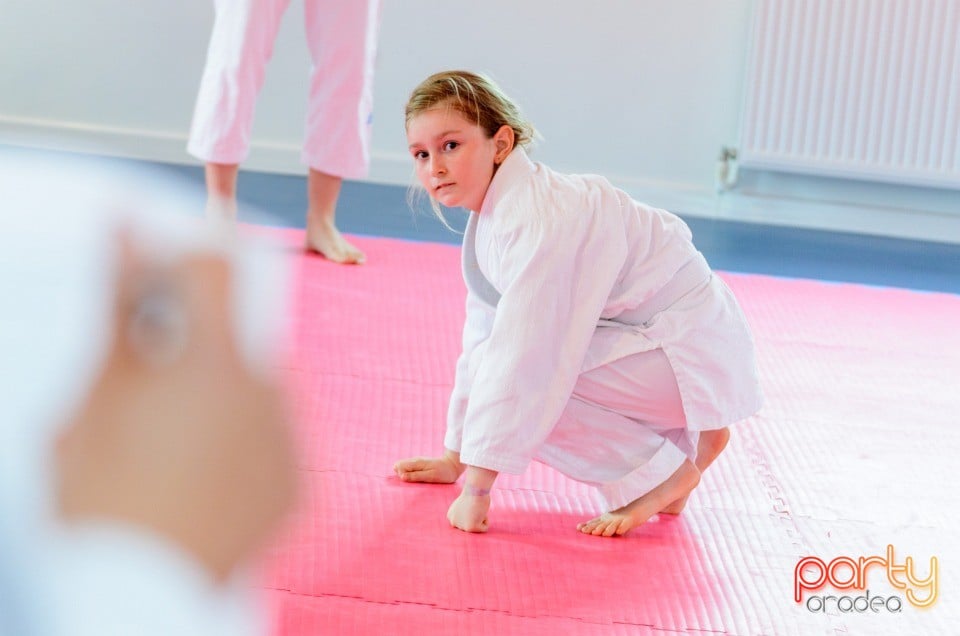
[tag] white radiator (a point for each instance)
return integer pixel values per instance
(865, 89)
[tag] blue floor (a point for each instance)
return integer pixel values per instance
(383, 210)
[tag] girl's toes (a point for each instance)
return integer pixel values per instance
(600, 528)
(612, 528)
(588, 527)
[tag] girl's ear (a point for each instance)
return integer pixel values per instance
(504, 139)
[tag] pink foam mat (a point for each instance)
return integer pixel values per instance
(851, 453)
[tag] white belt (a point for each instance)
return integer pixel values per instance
(687, 278)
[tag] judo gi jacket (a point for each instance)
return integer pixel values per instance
(566, 274)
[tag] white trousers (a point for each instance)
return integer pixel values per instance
(342, 39)
(623, 430)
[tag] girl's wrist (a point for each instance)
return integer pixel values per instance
(478, 481)
(472, 490)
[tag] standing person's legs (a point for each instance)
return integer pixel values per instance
(221, 179)
(323, 237)
(241, 43)
(342, 38)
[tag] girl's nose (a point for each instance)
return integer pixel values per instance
(437, 167)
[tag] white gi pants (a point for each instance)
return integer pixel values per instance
(341, 36)
(623, 430)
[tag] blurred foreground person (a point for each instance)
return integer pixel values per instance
(144, 456)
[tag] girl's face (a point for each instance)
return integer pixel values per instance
(453, 157)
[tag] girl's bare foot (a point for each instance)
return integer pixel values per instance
(324, 238)
(709, 447)
(637, 512)
(433, 470)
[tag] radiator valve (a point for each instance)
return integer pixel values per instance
(726, 175)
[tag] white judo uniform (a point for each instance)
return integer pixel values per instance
(597, 340)
(342, 38)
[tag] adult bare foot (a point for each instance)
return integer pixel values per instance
(221, 182)
(324, 238)
(709, 447)
(637, 512)
(323, 191)
(221, 210)
(432, 470)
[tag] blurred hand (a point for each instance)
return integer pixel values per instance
(177, 435)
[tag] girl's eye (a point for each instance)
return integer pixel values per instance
(450, 145)
(420, 154)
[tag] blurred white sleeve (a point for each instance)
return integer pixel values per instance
(101, 580)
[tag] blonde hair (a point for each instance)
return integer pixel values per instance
(478, 99)
(474, 96)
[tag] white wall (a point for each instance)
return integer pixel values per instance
(643, 91)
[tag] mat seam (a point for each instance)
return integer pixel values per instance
(776, 493)
(481, 610)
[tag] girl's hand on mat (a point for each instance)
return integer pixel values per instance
(468, 512)
(177, 435)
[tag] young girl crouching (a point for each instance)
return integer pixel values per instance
(597, 340)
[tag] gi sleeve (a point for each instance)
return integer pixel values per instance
(556, 269)
(476, 329)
